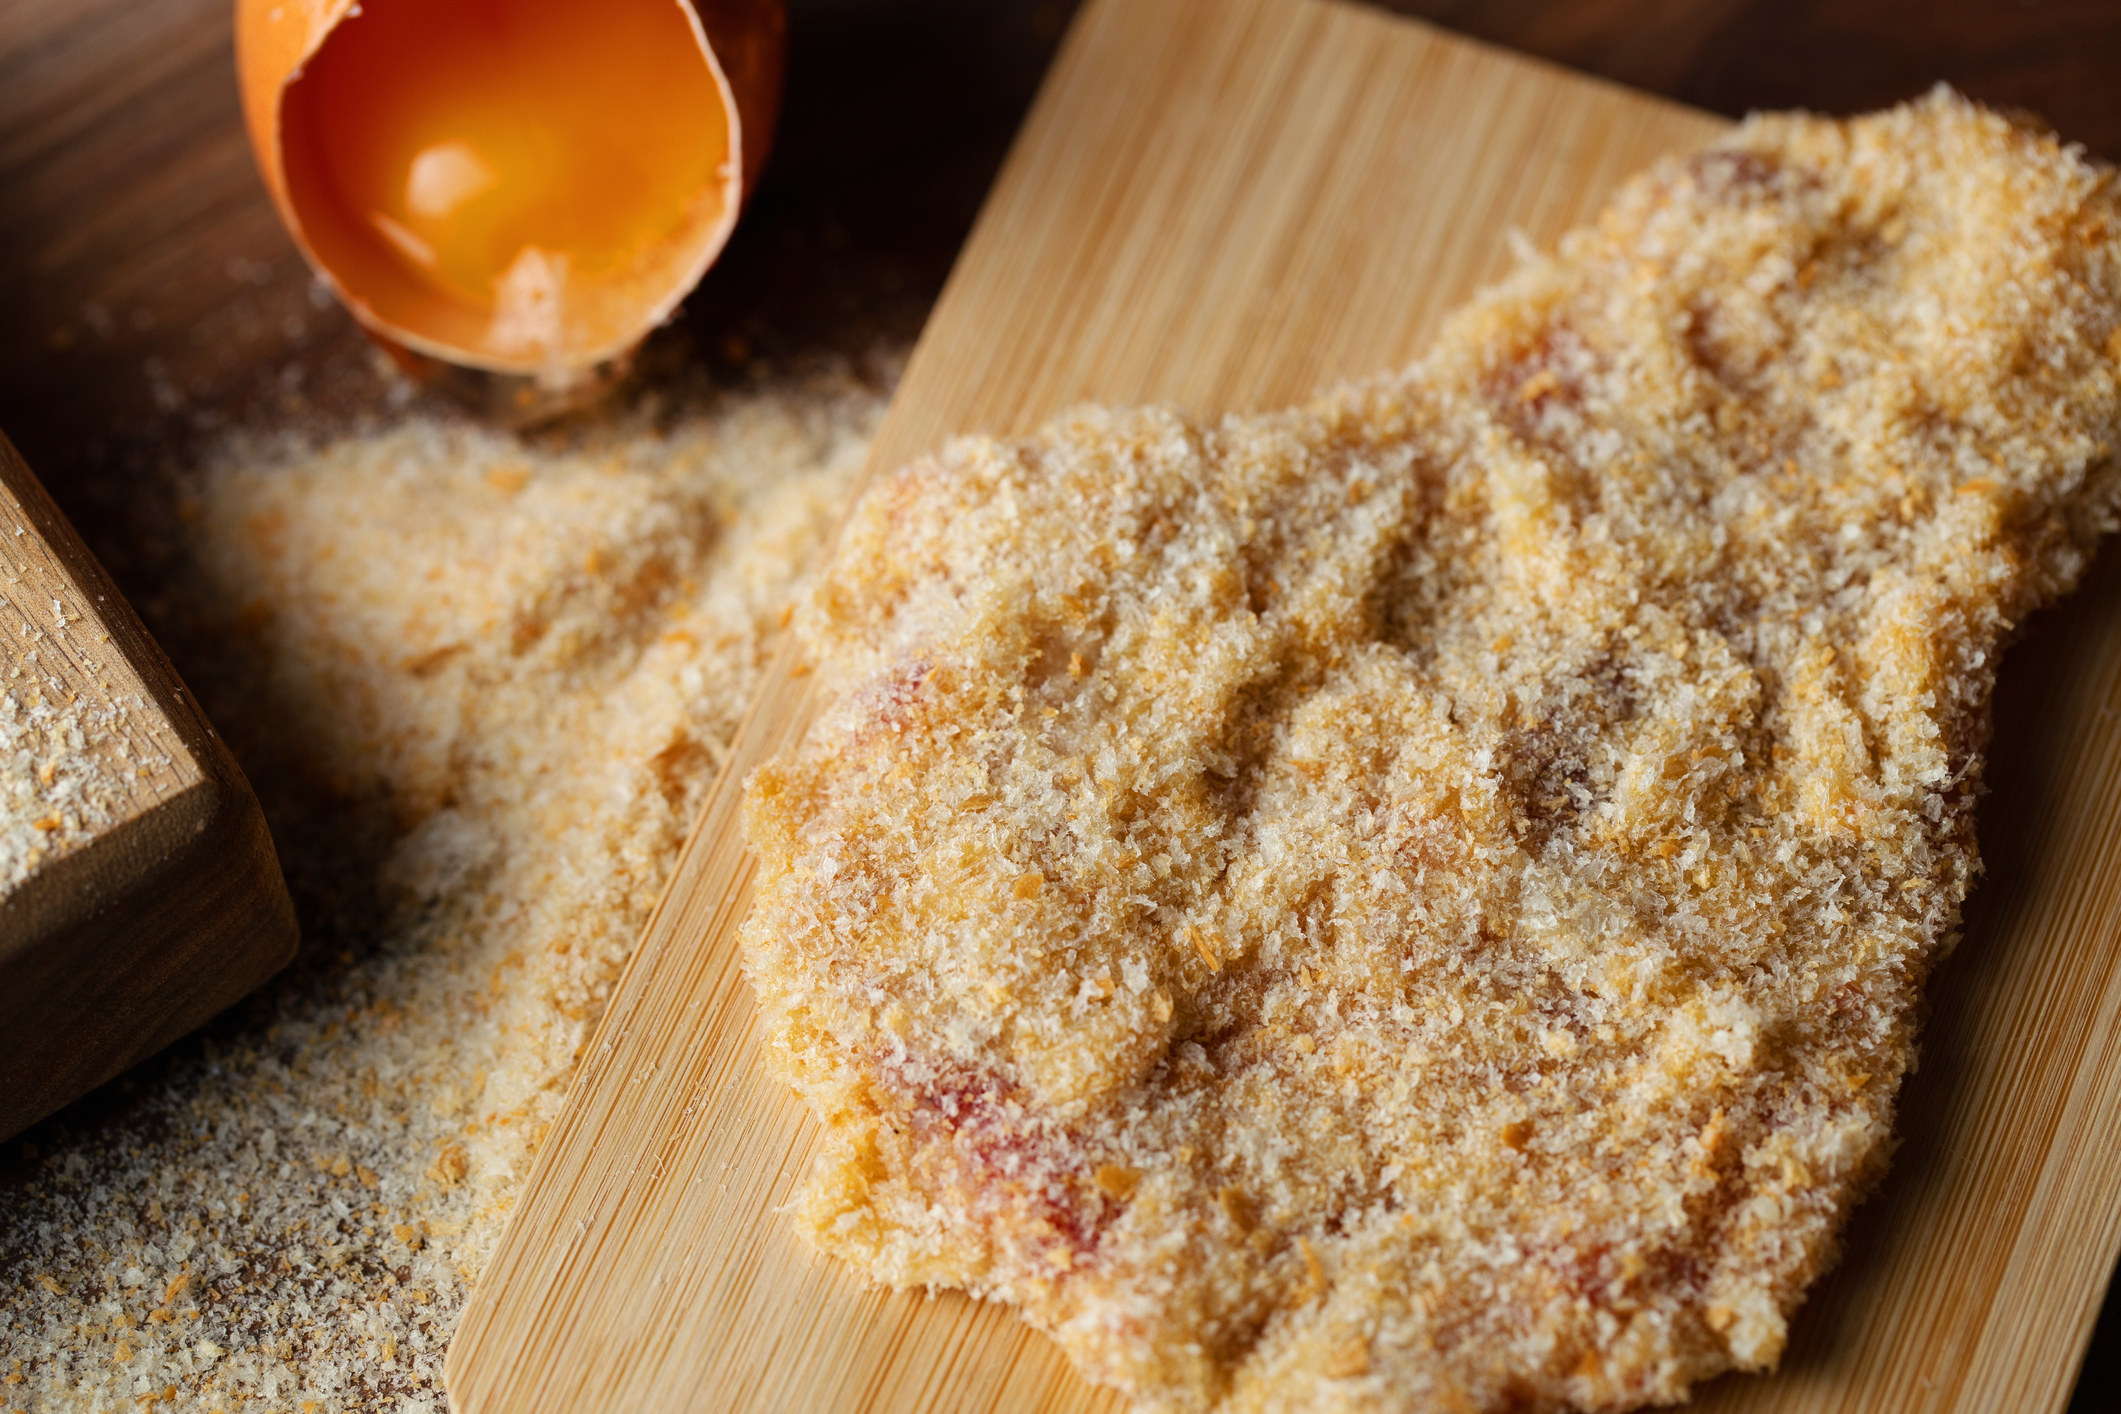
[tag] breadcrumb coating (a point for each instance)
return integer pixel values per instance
(1421, 901)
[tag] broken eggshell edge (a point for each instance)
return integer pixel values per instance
(744, 43)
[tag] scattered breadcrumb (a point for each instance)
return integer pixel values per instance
(1421, 901)
(68, 771)
(524, 658)
(82, 747)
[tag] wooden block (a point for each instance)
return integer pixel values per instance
(1227, 204)
(139, 893)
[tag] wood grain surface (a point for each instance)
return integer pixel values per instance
(1136, 249)
(147, 294)
(159, 900)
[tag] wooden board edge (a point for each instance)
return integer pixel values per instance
(220, 921)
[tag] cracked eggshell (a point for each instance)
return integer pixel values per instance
(518, 186)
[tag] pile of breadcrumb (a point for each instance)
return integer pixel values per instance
(481, 684)
(1421, 901)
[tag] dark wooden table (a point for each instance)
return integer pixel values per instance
(148, 295)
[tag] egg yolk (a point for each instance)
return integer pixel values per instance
(504, 174)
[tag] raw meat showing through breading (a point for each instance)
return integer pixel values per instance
(1421, 901)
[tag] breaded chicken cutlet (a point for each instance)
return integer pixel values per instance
(1421, 901)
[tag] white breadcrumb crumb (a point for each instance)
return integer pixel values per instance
(532, 654)
(70, 767)
(82, 747)
(1421, 901)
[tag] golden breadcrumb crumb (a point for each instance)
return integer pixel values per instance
(1420, 901)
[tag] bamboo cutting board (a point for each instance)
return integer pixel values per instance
(1226, 204)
